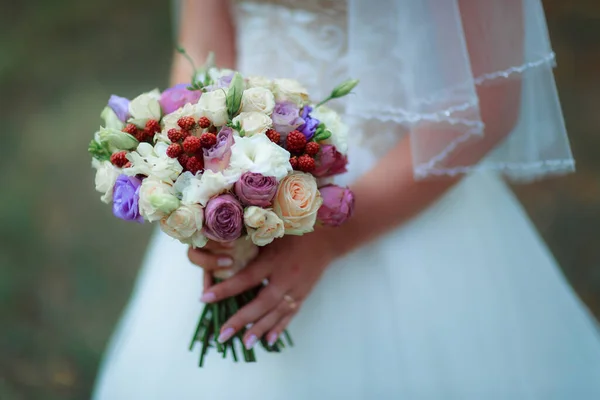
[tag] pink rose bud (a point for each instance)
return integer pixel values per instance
(255, 189)
(217, 157)
(330, 162)
(338, 205)
(223, 218)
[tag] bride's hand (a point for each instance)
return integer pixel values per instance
(292, 265)
(214, 257)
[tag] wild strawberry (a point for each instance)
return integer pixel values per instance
(195, 164)
(183, 160)
(294, 162)
(208, 140)
(306, 163)
(131, 129)
(186, 123)
(174, 150)
(295, 142)
(175, 135)
(273, 136)
(191, 144)
(152, 126)
(312, 148)
(204, 122)
(119, 159)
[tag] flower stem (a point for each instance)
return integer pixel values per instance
(323, 102)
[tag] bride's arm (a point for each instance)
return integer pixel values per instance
(204, 26)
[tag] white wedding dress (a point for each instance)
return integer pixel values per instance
(463, 302)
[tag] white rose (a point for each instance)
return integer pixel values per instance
(157, 199)
(106, 176)
(263, 225)
(145, 107)
(196, 240)
(258, 154)
(170, 120)
(253, 123)
(259, 82)
(334, 123)
(213, 106)
(258, 99)
(290, 90)
(184, 222)
(153, 162)
(201, 188)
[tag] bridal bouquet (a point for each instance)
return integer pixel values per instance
(225, 159)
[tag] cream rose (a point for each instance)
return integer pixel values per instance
(334, 123)
(259, 81)
(184, 222)
(263, 225)
(297, 202)
(258, 99)
(212, 105)
(145, 107)
(259, 155)
(106, 176)
(290, 90)
(157, 199)
(253, 123)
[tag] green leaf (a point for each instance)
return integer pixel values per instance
(99, 151)
(234, 95)
(326, 134)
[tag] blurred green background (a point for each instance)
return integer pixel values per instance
(67, 266)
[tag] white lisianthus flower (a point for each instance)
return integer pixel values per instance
(259, 82)
(106, 176)
(157, 199)
(290, 90)
(213, 105)
(170, 120)
(259, 155)
(116, 139)
(200, 189)
(144, 108)
(184, 223)
(334, 123)
(153, 162)
(253, 123)
(263, 225)
(259, 100)
(111, 120)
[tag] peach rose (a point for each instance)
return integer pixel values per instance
(297, 202)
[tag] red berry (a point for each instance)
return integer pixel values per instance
(175, 135)
(208, 140)
(296, 141)
(183, 160)
(174, 150)
(131, 129)
(191, 144)
(294, 162)
(204, 122)
(185, 134)
(195, 164)
(140, 135)
(152, 126)
(186, 123)
(312, 148)
(306, 163)
(119, 159)
(273, 136)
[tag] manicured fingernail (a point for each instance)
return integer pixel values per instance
(225, 335)
(272, 338)
(251, 341)
(224, 262)
(208, 297)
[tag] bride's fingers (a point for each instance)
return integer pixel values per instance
(274, 334)
(267, 323)
(207, 281)
(209, 261)
(246, 279)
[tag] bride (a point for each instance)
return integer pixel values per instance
(439, 287)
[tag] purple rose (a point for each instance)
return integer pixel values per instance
(217, 157)
(223, 218)
(310, 123)
(176, 97)
(120, 105)
(338, 205)
(330, 162)
(126, 195)
(255, 189)
(286, 118)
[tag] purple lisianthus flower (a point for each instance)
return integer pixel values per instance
(256, 189)
(220, 83)
(120, 105)
(330, 162)
(310, 124)
(223, 219)
(286, 118)
(177, 96)
(126, 195)
(338, 205)
(217, 157)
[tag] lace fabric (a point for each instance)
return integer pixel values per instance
(427, 67)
